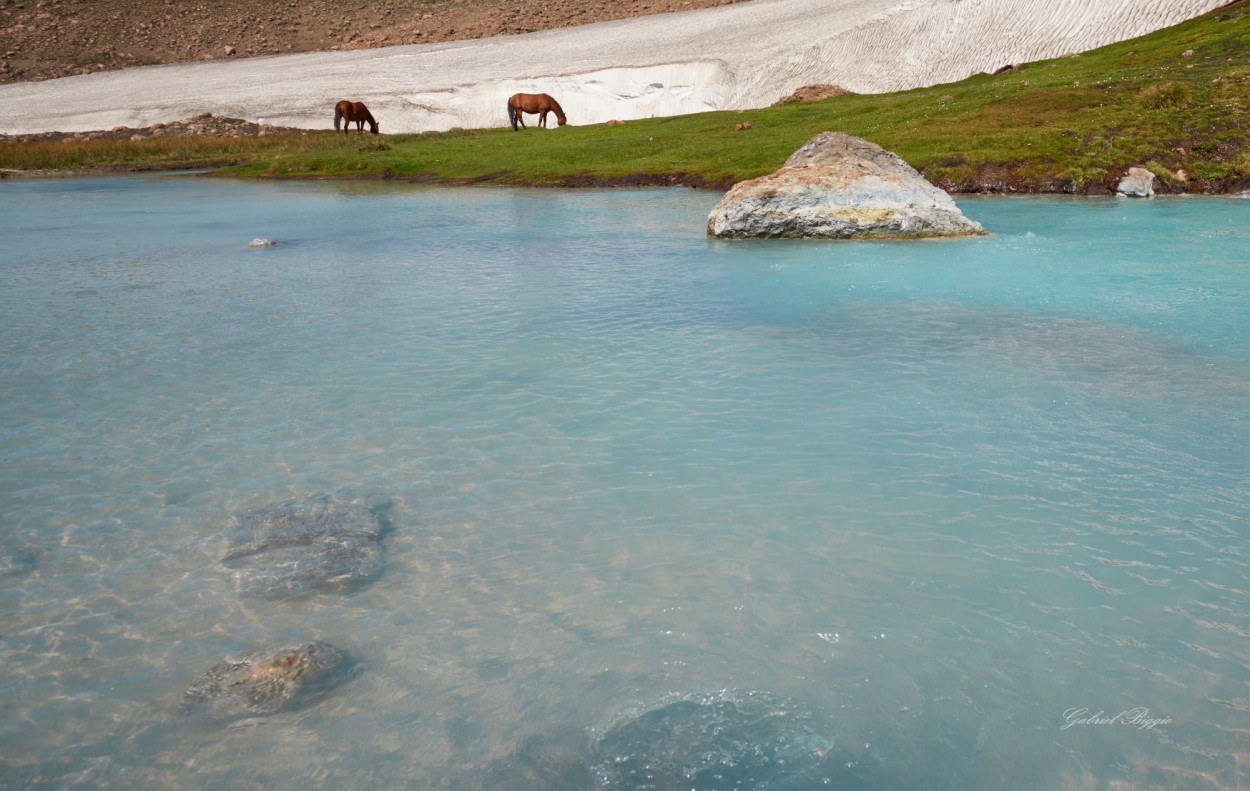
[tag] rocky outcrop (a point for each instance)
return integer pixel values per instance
(202, 125)
(1139, 183)
(841, 187)
(812, 93)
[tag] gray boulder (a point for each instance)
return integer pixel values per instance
(1139, 183)
(839, 187)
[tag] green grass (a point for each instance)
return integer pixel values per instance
(1055, 125)
(165, 153)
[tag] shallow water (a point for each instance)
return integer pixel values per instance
(944, 496)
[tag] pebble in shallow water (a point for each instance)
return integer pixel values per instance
(264, 682)
(318, 543)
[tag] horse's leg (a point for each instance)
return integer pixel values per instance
(542, 118)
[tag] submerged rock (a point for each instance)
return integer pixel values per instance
(16, 562)
(259, 242)
(553, 761)
(318, 543)
(264, 682)
(841, 187)
(726, 742)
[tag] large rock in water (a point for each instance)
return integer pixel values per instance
(315, 544)
(727, 742)
(839, 187)
(267, 681)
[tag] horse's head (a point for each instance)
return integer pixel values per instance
(561, 119)
(373, 127)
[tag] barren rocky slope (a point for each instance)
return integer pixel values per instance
(42, 39)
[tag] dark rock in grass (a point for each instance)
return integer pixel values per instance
(839, 187)
(319, 543)
(727, 742)
(268, 681)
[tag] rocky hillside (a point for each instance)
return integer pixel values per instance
(42, 39)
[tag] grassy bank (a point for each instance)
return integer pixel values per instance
(1176, 101)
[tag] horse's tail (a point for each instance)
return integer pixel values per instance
(512, 115)
(338, 116)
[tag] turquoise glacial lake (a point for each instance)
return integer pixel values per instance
(656, 511)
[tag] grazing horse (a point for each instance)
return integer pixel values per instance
(347, 112)
(533, 103)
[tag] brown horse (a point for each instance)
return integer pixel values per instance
(533, 103)
(353, 111)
